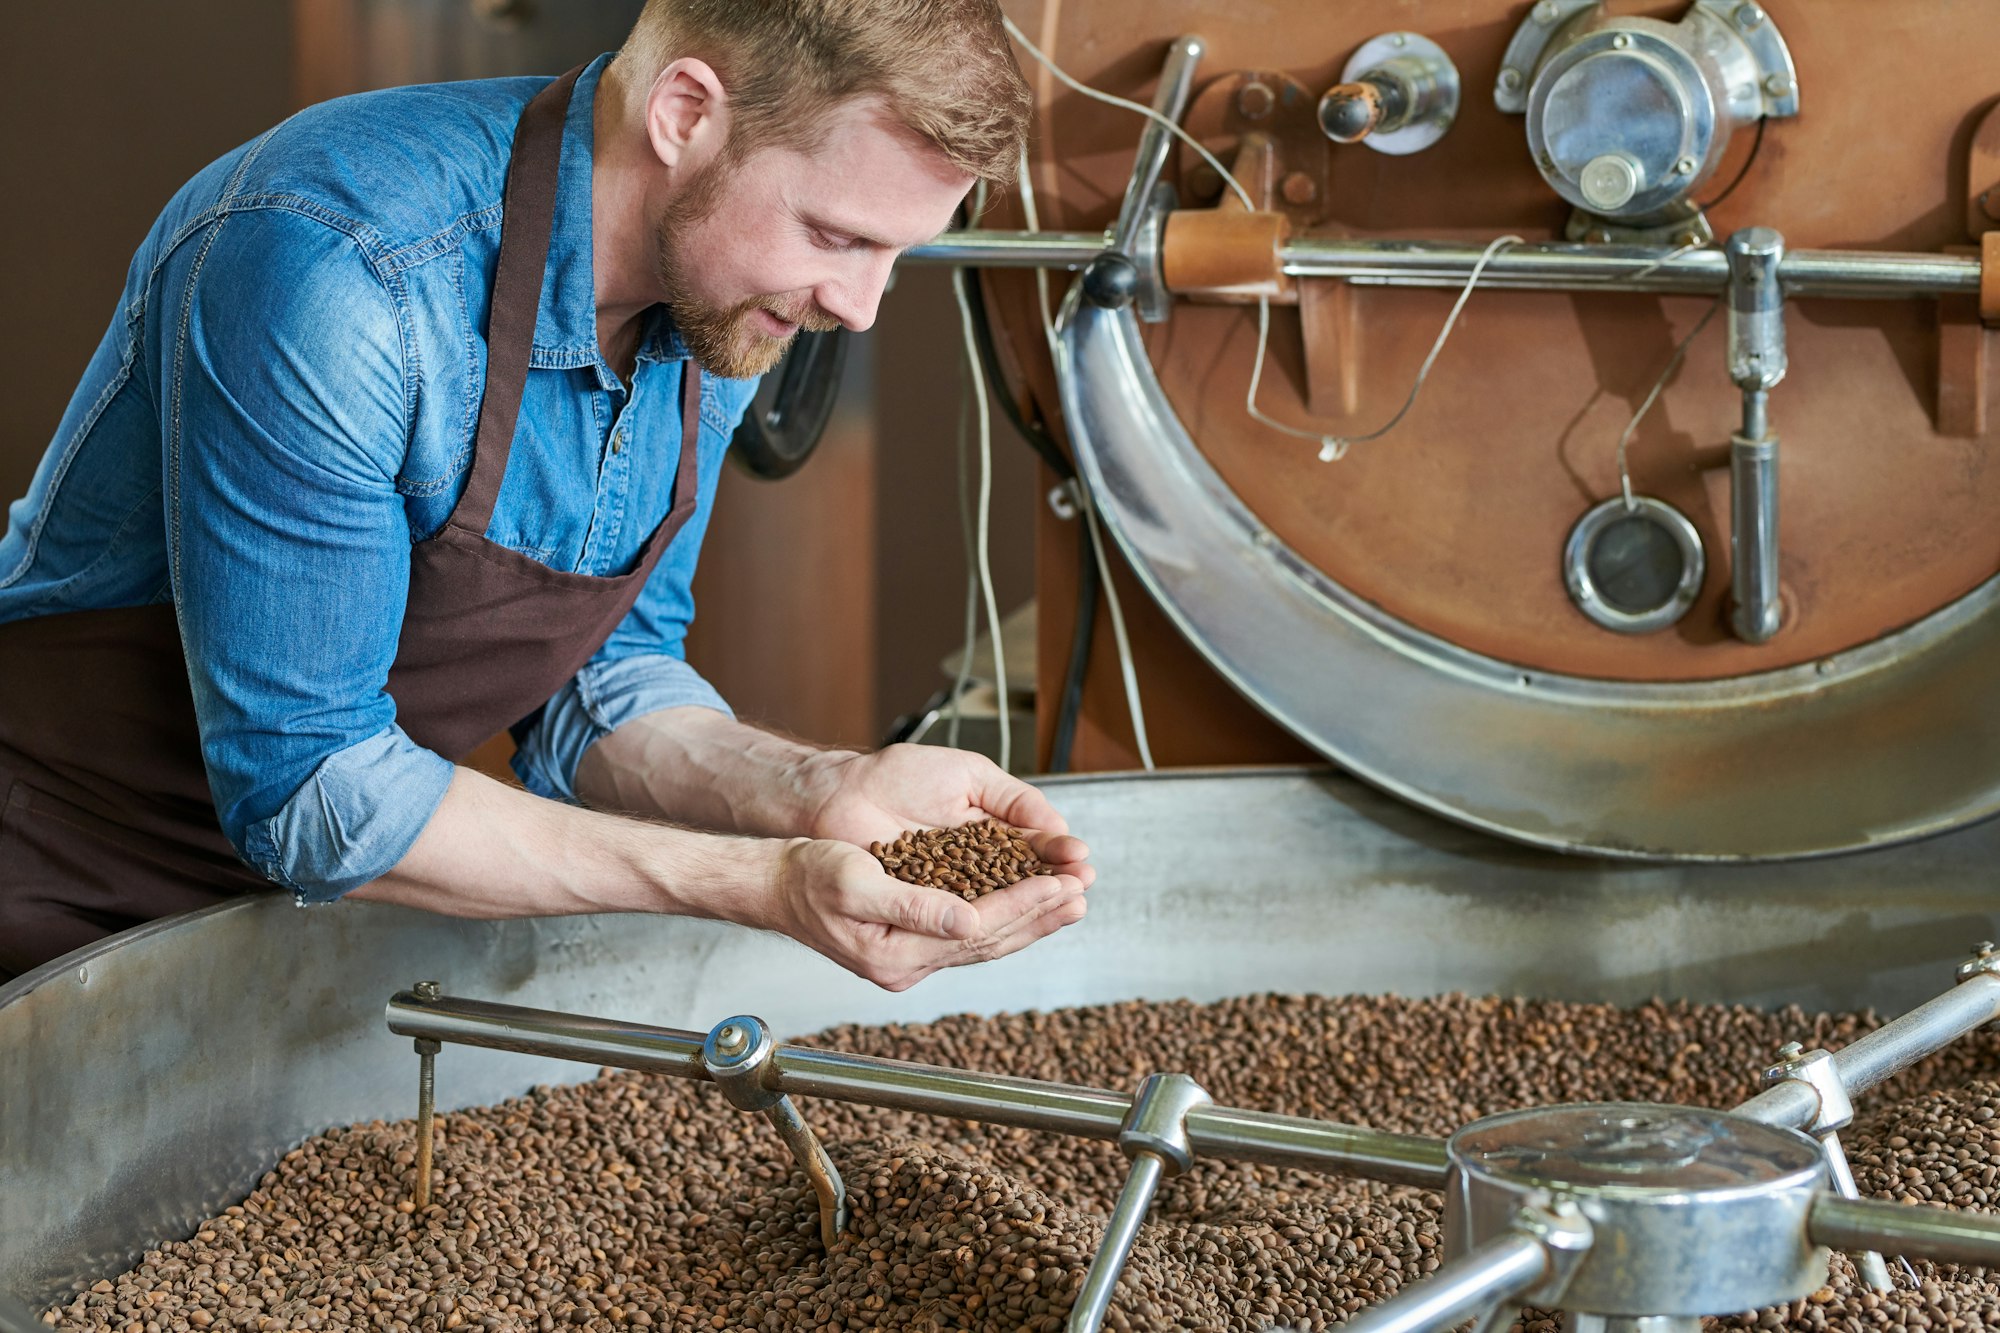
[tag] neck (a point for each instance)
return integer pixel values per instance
(622, 168)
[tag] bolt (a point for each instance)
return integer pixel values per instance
(1299, 188)
(426, 990)
(1548, 164)
(1401, 39)
(1983, 948)
(1623, 41)
(732, 1040)
(1777, 85)
(1684, 167)
(1824, 666)
(1547, 12)
(1255, 100)
(1748, 16)
(1510, 80)
(1791, 1050)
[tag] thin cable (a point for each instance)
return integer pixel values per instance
(965, 535)
(1334, 447)
(1096, 96)
(1127, 672)
(985, 417)
(1756, 147)
(1659, 387)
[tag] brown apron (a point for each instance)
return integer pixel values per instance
(108, 820)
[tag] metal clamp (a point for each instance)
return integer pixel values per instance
(1155, 1137)
(737, 1055)
(1985, 962)
(1817, 1070)
(1531, 1261)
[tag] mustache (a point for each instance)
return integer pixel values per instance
(804, 312)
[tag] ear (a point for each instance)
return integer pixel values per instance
(687, 114)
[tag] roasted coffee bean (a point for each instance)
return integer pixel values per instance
(641, 1202)
(970, 861)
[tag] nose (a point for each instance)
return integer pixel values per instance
(854, 297)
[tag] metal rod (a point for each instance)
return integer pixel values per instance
(1120, 1232)
(819, 1168)
(1873, 1271)
(1900, 1228)
(426, 1119)
(1214, 1131)
(1887, 1051)
(1753, 535)
(1542, 267)
(1630, 1323)
(1496, 1271)
(1176, 85)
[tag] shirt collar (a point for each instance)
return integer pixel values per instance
(566, 322)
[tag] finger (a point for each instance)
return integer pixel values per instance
(1059, 849)
(1066, 912)
(1012, 801)
(917, 908)
(1005, 910)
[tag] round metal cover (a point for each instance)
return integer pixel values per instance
(1632, 1148)
(1634, 568)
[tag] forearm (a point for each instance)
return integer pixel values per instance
(697, 766)
(491, 850)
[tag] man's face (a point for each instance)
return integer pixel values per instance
(751, 252)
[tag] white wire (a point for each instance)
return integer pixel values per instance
(1659, 386)
(965, 528)
(1127, 672)
(1095, 95)
(985, 417)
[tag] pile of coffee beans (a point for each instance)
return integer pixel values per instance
(641, 1202)
(971, 861)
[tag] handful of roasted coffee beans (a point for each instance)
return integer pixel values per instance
(971, 861)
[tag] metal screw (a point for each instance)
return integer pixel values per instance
(1824, 666)
(1983, 948)
(1749, 16)
(1510, 80)
(1256, 100)
(732, 1040)
(1547, 163)
(1777, 85)
(426, 990)
(1791, 1050)
(1400, 39)
(1547, 12)
(1684, 167)
(1622, 41)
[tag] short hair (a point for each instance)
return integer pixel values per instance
(942, 68)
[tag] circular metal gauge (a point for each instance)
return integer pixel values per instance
(1634, 568)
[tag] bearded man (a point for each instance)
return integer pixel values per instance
(406, 431)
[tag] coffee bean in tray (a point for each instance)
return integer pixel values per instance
(970, 861)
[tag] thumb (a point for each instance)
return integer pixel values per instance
(923, 911)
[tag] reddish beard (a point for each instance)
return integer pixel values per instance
(725, 340)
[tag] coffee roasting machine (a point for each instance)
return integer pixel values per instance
(1673, 577)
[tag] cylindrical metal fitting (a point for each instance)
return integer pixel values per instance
(1753, 534)
(1158, 1120)
(1756, 309)
(1899, 1228)
(737, 1055)
(1497, 1271)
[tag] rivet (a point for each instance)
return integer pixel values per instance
(1299, 188)
(1400, 39)
(1622, 41)
(1510, 80)
(1749, 16)
(1777, 85)
(1684, 167)
(1547, 12)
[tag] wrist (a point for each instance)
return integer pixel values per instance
(816, 783)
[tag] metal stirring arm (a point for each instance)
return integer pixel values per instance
(1155, 1137)
(1529, 1263)
(1817, 1070)
(737, 1055)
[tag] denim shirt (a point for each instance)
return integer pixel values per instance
(285, 402)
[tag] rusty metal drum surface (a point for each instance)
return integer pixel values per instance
(1452, 528)
(147, 1082)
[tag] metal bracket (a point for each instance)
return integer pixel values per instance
(1985, 962)
(1817, 1070)
(427, 1049)
(736, 1054)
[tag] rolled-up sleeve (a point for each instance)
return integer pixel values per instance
(642, 668)
(285, 410)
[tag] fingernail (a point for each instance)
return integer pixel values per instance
(949, 923)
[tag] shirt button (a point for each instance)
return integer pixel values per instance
(618, 443)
